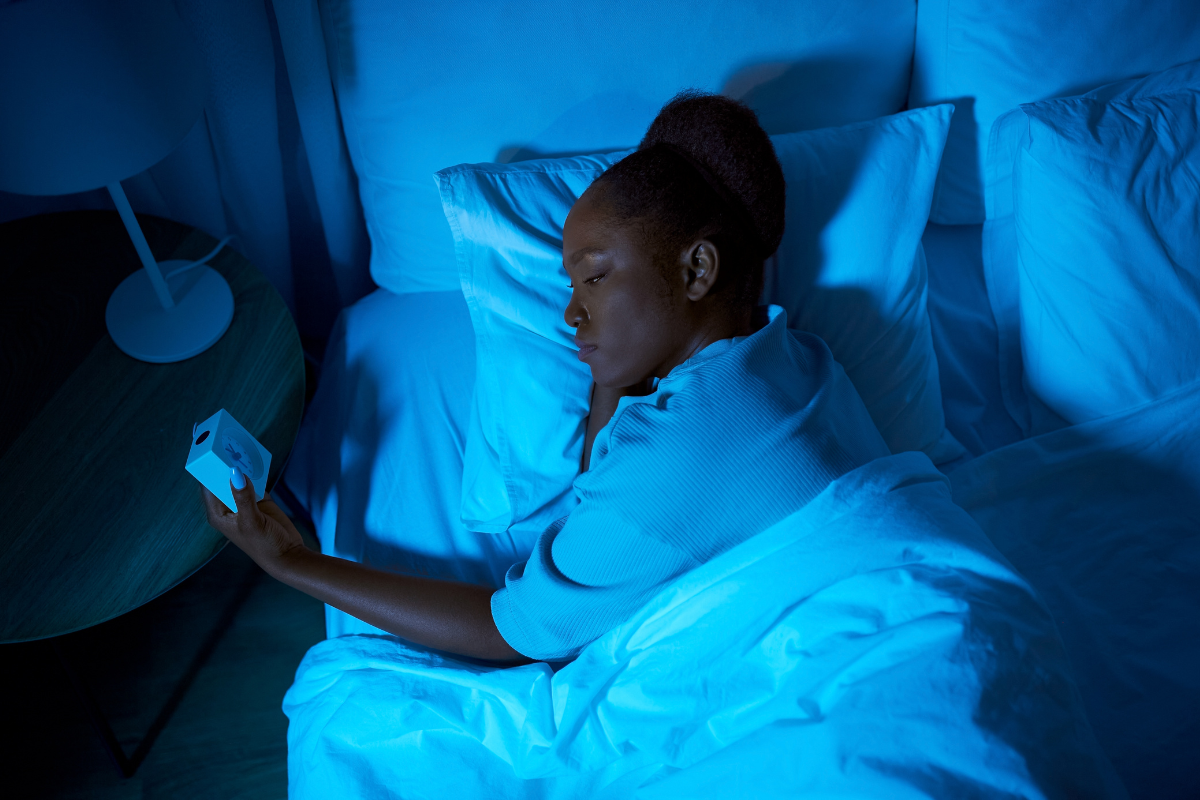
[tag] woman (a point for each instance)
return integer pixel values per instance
(709, 420)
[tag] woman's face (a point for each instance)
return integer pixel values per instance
(631, 322)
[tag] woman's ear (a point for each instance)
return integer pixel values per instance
(702, 262)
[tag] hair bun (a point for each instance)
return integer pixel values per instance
(724, 137)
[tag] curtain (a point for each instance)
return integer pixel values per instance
(266, 161)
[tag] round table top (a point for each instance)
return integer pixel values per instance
(97, 513)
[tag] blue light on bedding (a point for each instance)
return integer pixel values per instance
(872, 644)
(1103, 519)
(1090, 248)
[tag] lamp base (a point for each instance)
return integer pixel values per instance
(143, 329)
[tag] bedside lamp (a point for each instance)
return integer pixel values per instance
(92, 92)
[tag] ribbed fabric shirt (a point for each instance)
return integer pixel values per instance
(733, 440)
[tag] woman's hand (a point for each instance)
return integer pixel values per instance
(449, 616)
(260, 529)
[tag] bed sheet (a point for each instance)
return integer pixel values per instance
(1103, 519)
(964, 340)
(378, 460)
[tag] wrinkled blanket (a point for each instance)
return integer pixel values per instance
(872, 644)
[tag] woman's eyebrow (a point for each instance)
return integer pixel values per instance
(585, 251)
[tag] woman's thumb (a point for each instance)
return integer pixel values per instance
(243, 490)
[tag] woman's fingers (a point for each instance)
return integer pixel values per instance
(269, 508)
(259, 528)
(235, 526)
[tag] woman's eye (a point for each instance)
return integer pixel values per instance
(589, 280)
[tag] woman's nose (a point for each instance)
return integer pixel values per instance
(575, 313)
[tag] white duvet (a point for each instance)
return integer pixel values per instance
(873, 644)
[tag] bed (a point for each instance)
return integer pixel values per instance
(1069, 395)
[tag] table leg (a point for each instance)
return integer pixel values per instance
(128, 765)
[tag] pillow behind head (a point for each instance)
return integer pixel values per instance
(525, 437)
(850, 269)
(1091, 261)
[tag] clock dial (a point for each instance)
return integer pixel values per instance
(237, 452)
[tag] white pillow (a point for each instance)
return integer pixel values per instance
(423, 85)
(1093, 258)
(987, 57)
(850, 269)
(525, 437)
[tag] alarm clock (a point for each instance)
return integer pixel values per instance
(220, 443)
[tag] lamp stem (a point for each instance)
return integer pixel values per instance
(139, 244)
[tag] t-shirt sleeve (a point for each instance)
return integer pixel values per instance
(594, 569)
(579, 583)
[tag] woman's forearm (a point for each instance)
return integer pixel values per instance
(449, 616)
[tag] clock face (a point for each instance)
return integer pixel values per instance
(237, 452)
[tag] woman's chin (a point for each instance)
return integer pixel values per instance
(607, 375)
(604, 379)
(614, 382)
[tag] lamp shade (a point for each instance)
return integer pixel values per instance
(92, 91)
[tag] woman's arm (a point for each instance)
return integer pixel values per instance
(449, 616)
(603, 405)
(445, 615)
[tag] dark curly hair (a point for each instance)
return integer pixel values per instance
(704, 170)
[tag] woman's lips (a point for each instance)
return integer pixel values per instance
(586, 350)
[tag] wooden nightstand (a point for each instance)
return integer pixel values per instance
(97, 513)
